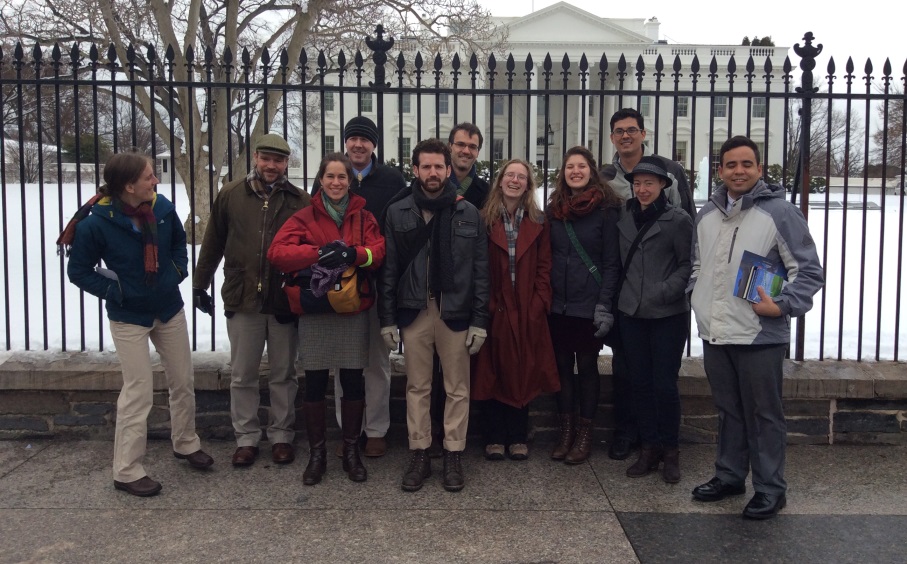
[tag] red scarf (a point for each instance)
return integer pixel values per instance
(579, 205)
(148, 226)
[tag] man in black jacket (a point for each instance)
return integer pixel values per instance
(627, 134)
(377, 183)
(434, 289)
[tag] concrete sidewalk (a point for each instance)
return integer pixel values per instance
(57, 504)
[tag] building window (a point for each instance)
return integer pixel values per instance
(761, 146)
(759, 107)
(443, 104)
(719, 107)
(365, 104)
(329, 101)
(542, 106)
(498, 153)
(406, 149)
(683, 106)
(330, 144)
(680, 153)
(591, 108)
(716, 159)
(498, 105)
(645, 105)
(407, 104)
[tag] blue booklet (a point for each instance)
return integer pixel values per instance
(755, 271)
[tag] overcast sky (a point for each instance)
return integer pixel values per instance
(870, 28)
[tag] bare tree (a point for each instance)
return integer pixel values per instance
(834, 138)
(889, 137)
(241, 40)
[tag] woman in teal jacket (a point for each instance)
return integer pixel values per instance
(138, 235)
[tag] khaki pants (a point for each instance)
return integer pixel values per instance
(420, 340)
(248, 334)
(171, 340)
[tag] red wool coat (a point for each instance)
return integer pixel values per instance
(295, 246)
(516, 364)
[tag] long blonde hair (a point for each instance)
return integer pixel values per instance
(492, 209)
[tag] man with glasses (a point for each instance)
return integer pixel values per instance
(627, 135)
(465, 143)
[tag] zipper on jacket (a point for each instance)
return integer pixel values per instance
(262, 251)
(733, 241)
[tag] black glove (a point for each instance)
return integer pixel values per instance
(202, 301)
(336, 255)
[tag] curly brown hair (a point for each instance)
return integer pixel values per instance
(562, 192)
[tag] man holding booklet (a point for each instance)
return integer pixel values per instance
(745, 341)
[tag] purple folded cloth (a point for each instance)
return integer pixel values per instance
(323, 279)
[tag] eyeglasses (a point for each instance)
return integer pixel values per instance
(518, 176)
(471, 146)
(631, 131)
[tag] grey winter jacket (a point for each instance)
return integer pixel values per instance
(656, 280)
(762, 222)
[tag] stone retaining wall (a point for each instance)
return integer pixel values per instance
(73, 395)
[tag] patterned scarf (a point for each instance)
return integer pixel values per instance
(338, 210)
(68, 235)
(579, 205)
(463, 186)
(258, 185)
(512, 230)
(148, 226)
(441, 260)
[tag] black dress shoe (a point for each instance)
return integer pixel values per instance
(198, 459)
(143, 487)
(715, 490)
(621, 448)
(764, 506)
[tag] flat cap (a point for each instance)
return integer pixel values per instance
(272, 143)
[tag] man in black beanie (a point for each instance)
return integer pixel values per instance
(377, 183)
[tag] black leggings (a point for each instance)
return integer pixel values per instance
(316, 384)
(583, 388)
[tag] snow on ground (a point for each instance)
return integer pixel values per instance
(867, 279)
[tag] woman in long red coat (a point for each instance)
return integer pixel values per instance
(517, 362)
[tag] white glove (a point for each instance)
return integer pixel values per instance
(475, 338)
(603, 320)
(391, 337)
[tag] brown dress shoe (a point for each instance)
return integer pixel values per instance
(143, 487)
(198, 459)
(245, 456)
(375, 447)
(282, 453)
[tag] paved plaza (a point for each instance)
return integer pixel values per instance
(57, 504)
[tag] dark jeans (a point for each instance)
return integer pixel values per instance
(653, 349)
(504, 424)
(624, 419)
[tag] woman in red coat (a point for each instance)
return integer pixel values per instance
(517, 362)
(326, 238)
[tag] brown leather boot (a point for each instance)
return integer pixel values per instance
(351, 418)
(565, 441)
(671, 471)
(582, 446)
(649, 457)
(314, 427)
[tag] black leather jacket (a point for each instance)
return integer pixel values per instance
(405, 286)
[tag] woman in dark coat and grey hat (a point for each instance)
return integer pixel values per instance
(653, 312)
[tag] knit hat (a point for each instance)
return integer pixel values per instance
(649, 165)
(361, 126)
(272, 143)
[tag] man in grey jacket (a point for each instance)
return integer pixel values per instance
(744, 343)
(435, 290)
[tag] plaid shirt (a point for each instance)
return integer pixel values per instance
(512, 230)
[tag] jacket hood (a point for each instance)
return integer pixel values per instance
(105, 208)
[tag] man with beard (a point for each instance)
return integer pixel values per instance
(435, 288)
(377, 183)
(244, 218)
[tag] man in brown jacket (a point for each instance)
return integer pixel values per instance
(244, 218)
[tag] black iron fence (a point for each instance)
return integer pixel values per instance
(840, 147)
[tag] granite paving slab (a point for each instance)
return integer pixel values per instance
(15, 453)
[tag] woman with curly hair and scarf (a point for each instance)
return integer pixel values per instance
(585, 270)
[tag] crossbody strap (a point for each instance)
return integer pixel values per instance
(582, 252)
(635, 245)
